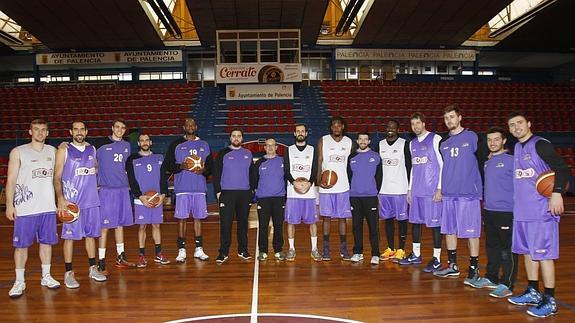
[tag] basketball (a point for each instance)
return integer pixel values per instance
(70, 215)
(154, 198)
(328, 178)
(194, 163)
(545, 183)
(300, 185)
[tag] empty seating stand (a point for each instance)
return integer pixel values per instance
(261, 118)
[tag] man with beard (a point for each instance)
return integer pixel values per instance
(536, 217)
(75, 182)
(364, 173)
(396, 165)
(462, 190)
(189, 186)
(234, 192)
(333, 151)
(300, 167)
(143, 170)
(424, 191)
(30, 203)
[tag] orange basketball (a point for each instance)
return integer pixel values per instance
(70, 215)
(328, 178)
(545, 183)
(154, 198)
(194, 163)
(299, 185)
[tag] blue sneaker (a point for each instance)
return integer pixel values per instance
(529, 297)
(432, 266)
(472, 278)
(452, 270)
(326, 256)
(483, 282)
(546, 308)
(501, 291)
(411, 260)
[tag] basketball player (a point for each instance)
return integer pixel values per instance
(365, 174)
(300, 167)
(189, 186)
(462, 190)
(30, 203)
(234, 192)
(143, 169)
(424, 191)
(536, 217)
(268, 173)
(333, 151)
(498, 217)
(112, 153)
(75, 182)
(396, 165)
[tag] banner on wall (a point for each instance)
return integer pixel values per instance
(405, 54)
(259, 92)
(258, 73)
(129, 57)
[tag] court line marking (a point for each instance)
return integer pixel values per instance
(255, 288)
(214, 317)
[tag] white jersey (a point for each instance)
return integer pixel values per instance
(301, 163)
(34, 192)
(393, 167)
(335, 156)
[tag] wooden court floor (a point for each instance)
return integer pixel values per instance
(241, 290)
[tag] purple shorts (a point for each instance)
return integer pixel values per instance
(88, 225)
(148, 215)
(335, 205)
(300, 210)
(115, 207)
(191, 203)
(423, 210)
(392, 206)
(540, 240)
(461, 216)
(40, 226)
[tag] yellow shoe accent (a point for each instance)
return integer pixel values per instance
(399, 255)
(387, 254)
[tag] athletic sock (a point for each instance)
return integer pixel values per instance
(158, 248)
(20, 275)
(452, 256)
(417, 249)
(92, 261)
(534, 284)
(120, 248)
(313, 243)
(199, 241)
(68, 266)
(292, 242)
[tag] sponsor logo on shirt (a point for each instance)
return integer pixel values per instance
(524, 173)
(419, 160)
(301, 168)
(42, 173)
(85, 171)
(336, 158)
(395, 161)
(541, 250)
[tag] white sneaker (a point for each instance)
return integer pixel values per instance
(50, 282)
(200, 254)
(17, 289)
(181, 255)
(96, 275)
(70, 281)
(374, 260)
(357, 257)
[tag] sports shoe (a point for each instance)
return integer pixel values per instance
(181, 255)
(399, 255)
(49, 282)
(387, 254)
(483, 282)
(357, 257)
(325, 255)
(198, 253)
(17, 289)
(451, 270)
(315, 255)
(142, 262)
(529, 297)
(262, 256)
(122, 262)
(245, 255)
(472, 278)
(411, 260)
(343, 253)
(547, 307)
(161, 259)
(291, 255)
(432, 266)
(221, 258)
(501, 291)
(374, 260)
(279, 256)
(96, 275)
(70, 281)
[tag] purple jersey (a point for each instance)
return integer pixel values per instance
(147, 172)
(112, 164)
(530, 206)
(460, 176)
(425, 168)
(271, 182)
(363, 167)
(186, 181)
(498, 192)
(236, 169)
(79, 182)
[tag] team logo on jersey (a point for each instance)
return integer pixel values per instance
(70, 191)
(90, 157)
(395, 161)
(524, 173)
(336, 158)
(541, 250)
(371, 160)
(419, 160)
(527, 157)
(108, 148)
(42, 173)
(16, 239)
(500, 165)
(264, 168)
(22, 194)
(202, 149)
(395, 151)
(301, 168)
(465, 144)
(138, 164)
(126, 150)
(85, 171)
(445, 147)
(246, 157)
(342, 149)
(231, 157)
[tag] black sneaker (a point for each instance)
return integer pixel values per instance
(221, 258)
(245, 255)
